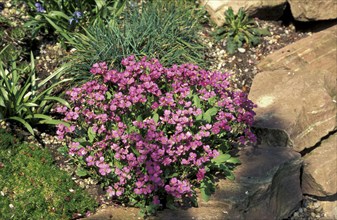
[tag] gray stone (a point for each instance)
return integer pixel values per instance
(320, 169)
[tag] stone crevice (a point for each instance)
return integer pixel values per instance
(331, 198)
(318, 144)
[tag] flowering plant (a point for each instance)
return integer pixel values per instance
(150, 134)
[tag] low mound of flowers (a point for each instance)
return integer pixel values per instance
(152, 135)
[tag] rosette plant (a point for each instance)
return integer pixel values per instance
(239, 29)
(62, 17)
(151, 135)
(25, 98)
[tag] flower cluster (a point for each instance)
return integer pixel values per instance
(39, 7)
(150, 131)
(77, 15)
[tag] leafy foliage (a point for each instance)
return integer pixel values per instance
(13, 34)
(25, 99)
(239, 29)
(62, 17)
(158, 29)
(151, 134)
(32, 187)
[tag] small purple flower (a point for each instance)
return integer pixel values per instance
(156, 200)
(71, 20)
(39, 7)
(78, 14)
(104, 169)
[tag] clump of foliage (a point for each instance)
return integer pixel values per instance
(239, 29)
(166, 30)
(25, 98)
(61, 18)
(152, 135)
(31, 187)
(13, 34)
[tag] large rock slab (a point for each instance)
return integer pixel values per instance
(313, 10)
(315, 52)
(296, 93)
(265, 9)
(319, 176)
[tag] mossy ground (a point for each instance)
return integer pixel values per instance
(32, 187)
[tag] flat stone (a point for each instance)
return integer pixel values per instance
(313, 52)
(320, 169)
(313, 10)
(296, 97)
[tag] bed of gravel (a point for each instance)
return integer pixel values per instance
(242, 66)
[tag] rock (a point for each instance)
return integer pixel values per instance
(313, 10)
(264, 9)
(313, 52)
(241, 50)
(330, 209)
(296, 97)
(320, 169)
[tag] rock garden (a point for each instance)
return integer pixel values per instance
(167, 109)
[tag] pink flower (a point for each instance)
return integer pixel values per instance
(201, 174)
(104, 169)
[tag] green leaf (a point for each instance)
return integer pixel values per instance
(80, 172)
(54, 122)
(230, 46)
(209, 113)
(108, 95)
(62, 31)
(57, 72)
(233, 160)
(156, 117)
(212, 100)
(60, 100)
(63, 150)
(91, 135)
(212, 111)
(196, 101)
(230, 176)
(206, 189)
(199, 117)
(222, 158)
(55, 14)
(205, 195)
(139, 118)
(100, 4)
(25, 123)
(261, 31)
(30, 104)
(42, 116)
(207, 117)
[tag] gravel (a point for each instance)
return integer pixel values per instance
(242, 64)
